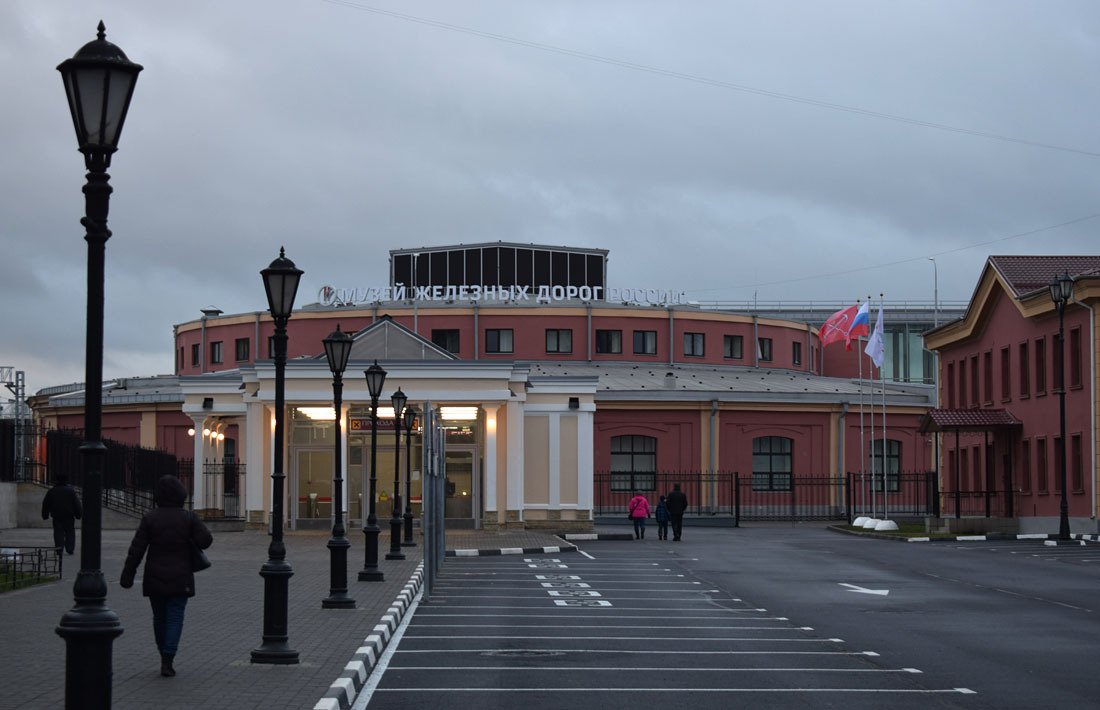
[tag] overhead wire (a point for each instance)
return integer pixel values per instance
(684, 76)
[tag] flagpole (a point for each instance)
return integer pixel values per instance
(874, 506)
(862, 443)
(882, 378)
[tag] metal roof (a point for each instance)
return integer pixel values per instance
(968, 420)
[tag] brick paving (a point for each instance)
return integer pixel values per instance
(224, 622)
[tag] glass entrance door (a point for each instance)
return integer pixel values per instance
(313, 471)
(461, 465)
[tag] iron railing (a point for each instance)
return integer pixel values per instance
(24, 566)
(775, 497)
(223, 489)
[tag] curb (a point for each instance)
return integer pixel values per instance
(966, 538)
(343, 691)
(599, 536)
(510, 551)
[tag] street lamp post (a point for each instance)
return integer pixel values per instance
(935, 293)
(398, 400)
(99, 83)
(410, 421)
(281, 279)
(376, 376)
(337, 351)
(1061, 289)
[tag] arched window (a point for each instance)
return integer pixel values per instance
(771, 463)
(891, 463)
(633, 463)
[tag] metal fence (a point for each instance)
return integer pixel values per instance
(24, 566)
(774, 497)
(222, 488)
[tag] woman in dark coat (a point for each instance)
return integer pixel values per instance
(167, 532)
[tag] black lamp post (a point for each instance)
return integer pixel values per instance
(376, 376)
(99, 82)
(398, 400)
(337, 350)
(1061, 289)
(281, 283)
(410, 421)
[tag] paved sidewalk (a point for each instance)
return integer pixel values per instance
(224, 622)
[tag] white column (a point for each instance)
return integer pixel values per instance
(345, 410)
(554, 462)
(586, 480)
(515, 456)
(197, 502)
(491, 481)
(254, 457)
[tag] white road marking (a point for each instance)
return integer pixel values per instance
(880, 691)
(864, 590)
(586, 554)
(663, 652)
(659, 669)
(379, 669)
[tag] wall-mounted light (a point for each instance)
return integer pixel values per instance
(206, 431)
(191, 431)
(458, 414)
(221, 436)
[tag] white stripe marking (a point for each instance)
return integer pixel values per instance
(883, 691)
(586, 554)
(363, 699)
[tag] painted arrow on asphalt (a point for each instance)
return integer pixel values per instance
(864, 590)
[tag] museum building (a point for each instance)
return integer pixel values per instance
(555, 391)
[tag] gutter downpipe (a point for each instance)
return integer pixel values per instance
(475, 330)
(256, 329)
(671, 338)
(202, 347)
(840, 441)
(1092, 391)
(714, 456)
(756, 340)
(588, 333)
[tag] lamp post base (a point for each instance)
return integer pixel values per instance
(274, 649)
(395, 552)
(408, 541)
(338, 570)
(370, 571)
(89, 630)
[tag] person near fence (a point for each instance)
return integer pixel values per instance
(63, 505)
(662, 516)
(677, 504)
(639, 511)
(167, 532)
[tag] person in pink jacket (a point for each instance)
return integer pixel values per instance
(639, 511)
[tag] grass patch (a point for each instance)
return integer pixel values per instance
(10, 581)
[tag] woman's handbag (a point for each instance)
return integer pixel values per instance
(199, 560)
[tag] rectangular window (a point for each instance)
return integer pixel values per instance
(1075, 357)
(963, 403)
(633, 463)
(890, 464)
(609, 342)
(951, 385)
(241, 348)
(974, 395)
(216, 352)
(978, 470)
(1006, 374)
(1025, 466)
(796, 353)
(732, 347)
(559, 341)
(271, 347)
(1076, 470)
(645, 342)
(182, 362)
(1041, 465)
(1040, 366)
(771, 463)
(498, 340)
(964, 472)
(987, 376)
(764, 349)
(195, 355)
(1024, 368)
(446, 339)
(693, 344)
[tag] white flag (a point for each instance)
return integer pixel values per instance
(876, 344)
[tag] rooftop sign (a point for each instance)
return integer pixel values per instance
(331, 296)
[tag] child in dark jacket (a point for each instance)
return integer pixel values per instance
(663, 516)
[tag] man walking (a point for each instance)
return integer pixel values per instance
(63, 505)
(677, 504)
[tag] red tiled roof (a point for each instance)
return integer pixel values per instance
(967, 420)
(1026, 274)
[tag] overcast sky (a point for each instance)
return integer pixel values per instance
(787, 150)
